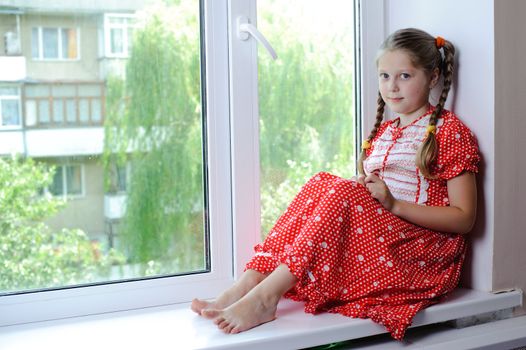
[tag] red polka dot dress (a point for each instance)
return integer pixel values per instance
(353, 257)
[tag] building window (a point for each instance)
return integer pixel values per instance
(64, 104)
(9, 107)
(54, 43)
(118, 33)
(68, 181)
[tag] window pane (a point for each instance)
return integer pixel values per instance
(57, 186)
(71, 111)
(50, 42)
(8, 91)
(84, 110)
(43, 111)
(37, 90)
(96, 110)
(31, 113)
(73, 180)
(128, 188)
(10, 112)
(117, 40)
(69, 43)
(58, 111)
(305, 97)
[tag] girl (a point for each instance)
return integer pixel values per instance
(390, 242)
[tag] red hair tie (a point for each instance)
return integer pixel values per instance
(440, 42)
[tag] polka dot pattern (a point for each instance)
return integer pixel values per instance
(353, 257)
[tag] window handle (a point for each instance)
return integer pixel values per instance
(245, 29)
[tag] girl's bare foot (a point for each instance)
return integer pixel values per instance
(247, 281)
(257, 306)
(250, 311)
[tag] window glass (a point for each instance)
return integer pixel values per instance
(10, 112)
(69, 43)
(43, 111)
(125, 181)
(305, 97)
(73, 180)
(84, 110)
(58, 111)
(117, 40)
(57, 186)
(71, 111)
(50, 42)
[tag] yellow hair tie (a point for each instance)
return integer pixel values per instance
(366, 144)
(431, 129)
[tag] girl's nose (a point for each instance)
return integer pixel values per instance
(393, 86)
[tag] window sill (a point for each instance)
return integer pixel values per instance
(175, 326)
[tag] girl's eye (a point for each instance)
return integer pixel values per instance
(405, 76)
(384, 76)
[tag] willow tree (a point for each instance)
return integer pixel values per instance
(154, 123)
(306, 101)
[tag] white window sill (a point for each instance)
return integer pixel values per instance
(176, 327)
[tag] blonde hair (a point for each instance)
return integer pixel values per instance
(424, 53)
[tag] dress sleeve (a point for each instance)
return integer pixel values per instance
(458, 150)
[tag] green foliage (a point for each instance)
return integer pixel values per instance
(305, 101)
(31, 255)
(155, 123)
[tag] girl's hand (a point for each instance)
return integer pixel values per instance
(379, 191)
(360, 179)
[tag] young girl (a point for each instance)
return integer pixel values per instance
(390, 242)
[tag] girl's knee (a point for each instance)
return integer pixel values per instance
(322, 176)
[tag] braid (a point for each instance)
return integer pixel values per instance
(379, 118)
(428, 152)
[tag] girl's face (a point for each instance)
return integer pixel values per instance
(404, 87)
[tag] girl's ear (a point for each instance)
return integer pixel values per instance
(435, 75)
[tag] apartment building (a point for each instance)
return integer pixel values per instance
(55, 58)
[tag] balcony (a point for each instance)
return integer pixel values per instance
(12, 68)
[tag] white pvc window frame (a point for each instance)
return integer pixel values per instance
(124, 27)
(66, 191)
(61, 56)
(126, 295)
(233, 173)
(11, 97)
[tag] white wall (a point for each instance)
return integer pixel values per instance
(509, 267)
(468, 24)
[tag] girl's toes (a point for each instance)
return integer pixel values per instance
(223, 324)
(218, 321)
(229, 329)
(210, 313)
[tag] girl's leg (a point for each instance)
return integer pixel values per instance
(255, 307)
(249, 279)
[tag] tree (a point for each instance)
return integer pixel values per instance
(305, 101)
(31, 254)
(154, 122)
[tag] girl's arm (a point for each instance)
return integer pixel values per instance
(458, 217)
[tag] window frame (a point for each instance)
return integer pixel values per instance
(135, 294)
(232, 115)
(16, 97)
(60, 54)
(65, 191)
(125, 28)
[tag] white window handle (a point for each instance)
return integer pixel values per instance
(245, 29)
